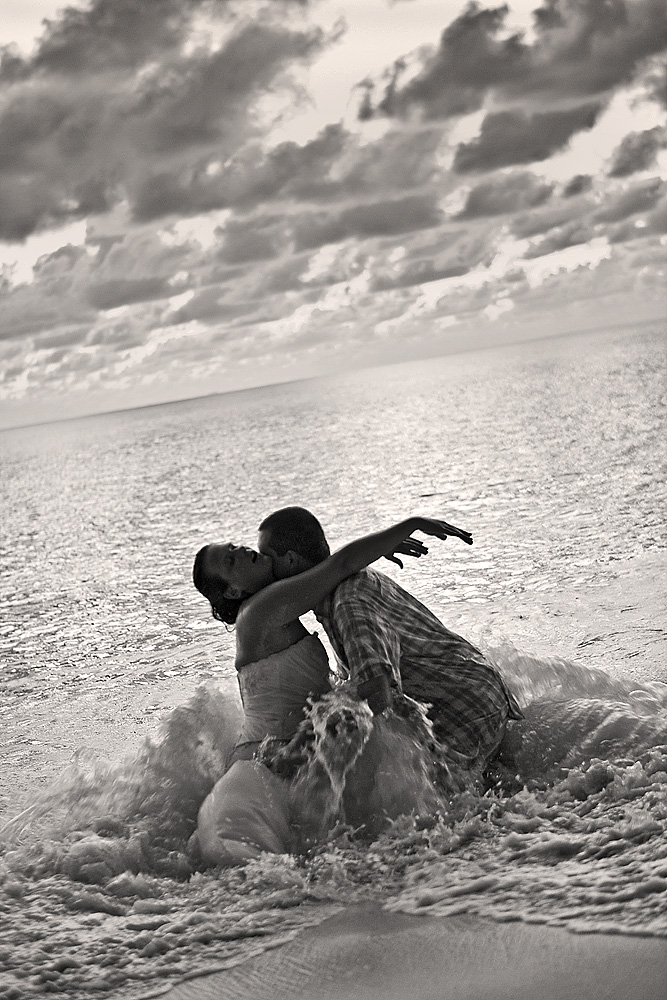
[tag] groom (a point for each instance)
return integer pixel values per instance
(385, 638)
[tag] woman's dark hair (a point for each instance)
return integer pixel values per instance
(224, 609)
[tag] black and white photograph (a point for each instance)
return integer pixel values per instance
(333, 499)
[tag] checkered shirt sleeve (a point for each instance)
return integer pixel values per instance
(366, 646)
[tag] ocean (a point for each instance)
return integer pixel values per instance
(119, 696)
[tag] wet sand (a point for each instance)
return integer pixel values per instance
(366, 953)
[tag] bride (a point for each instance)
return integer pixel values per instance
(279, 664)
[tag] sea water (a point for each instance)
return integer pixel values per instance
(119, 700)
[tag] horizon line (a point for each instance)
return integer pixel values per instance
(312, 378)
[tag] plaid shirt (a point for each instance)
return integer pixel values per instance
(376, 628)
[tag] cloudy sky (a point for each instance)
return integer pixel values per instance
(202, 195)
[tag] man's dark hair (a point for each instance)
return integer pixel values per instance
(297, 529)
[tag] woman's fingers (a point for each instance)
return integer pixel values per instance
(451, 529)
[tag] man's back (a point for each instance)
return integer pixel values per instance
(379, 629)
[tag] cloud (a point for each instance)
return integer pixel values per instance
(247, 241)
(330, 168)
(381, 218)
(577, 185)
(80, 132)
(122, 291)
(625, 232)
(248, 178)
(508, 138)
(581, 48)
(108, 35)
(222, 239)
(286, 275)
(657, 220)
(27, 310)
(638, 198)
(69, 286)
(419, 273)
(590, 47)
(638, 151)
(120, 336)
(533, 223)
(657, 83)
(68, 336)
(453, 80)
(399, 160)
(653, 223)
(510, 193)
(202, 98)
(211, 305)
(571, 235)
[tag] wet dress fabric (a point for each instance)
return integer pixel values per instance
(274, 691)
(247, 810)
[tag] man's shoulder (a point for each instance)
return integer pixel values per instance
(379, 586)
(364, 581)
(356, 587)
(367, 585)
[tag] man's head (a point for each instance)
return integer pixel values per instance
(294, 539)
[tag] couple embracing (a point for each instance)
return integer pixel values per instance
(387, 643)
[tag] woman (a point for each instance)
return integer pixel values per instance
(279, 665)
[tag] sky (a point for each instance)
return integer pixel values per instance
(198, 196)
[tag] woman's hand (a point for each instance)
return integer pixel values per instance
(409, 547)
(442, 530)
(430, 526)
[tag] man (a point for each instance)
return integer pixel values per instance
(384, 637)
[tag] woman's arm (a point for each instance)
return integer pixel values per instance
(285, 600)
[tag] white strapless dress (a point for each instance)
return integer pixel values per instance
(247, 811)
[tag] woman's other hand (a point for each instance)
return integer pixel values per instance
(409, 547)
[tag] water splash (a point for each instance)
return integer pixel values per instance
(104, 895)
(97, 819)
(576, 713)
(341, 730)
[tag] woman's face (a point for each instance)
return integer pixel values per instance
(243, 570)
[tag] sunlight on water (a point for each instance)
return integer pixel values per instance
(104, 893)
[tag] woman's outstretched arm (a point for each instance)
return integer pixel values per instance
(285, 600)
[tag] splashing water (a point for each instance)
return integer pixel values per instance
(341, 729)
(101, 893)
(347, 771)
(576, 713)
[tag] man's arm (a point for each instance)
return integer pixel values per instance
(377, 692)
(365, 641)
